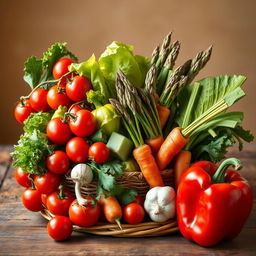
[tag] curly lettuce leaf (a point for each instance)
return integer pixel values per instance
(33, 70)
(37, 121)
(52, 55)
(30, 153)
(119, 56)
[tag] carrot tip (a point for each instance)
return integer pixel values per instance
(118, 223)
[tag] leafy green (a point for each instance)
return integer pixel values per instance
(90, 69)
(239, 133)
(52, 55)
(38, 70)
(124, 195)
(37, 121)
(105, 175)
(119, 56)
(214, 149)
(211, 90)
(31, 152)
(33, 69)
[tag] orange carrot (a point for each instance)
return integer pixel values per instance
(111, 209)
(163, 113)
(172, 145)
(181, 163)
(155, 143)
(146, 161)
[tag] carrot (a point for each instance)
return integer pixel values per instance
(163, 113)
(172, 145)
(146, 161)
(155, 143)
(111, 209)
(181, 163)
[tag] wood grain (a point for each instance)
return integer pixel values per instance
(24, 233)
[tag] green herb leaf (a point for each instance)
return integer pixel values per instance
(127, 196)
(215, 150)
(31, 152)
(33, 70)
(37, 121)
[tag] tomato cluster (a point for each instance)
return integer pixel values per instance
(68, 134)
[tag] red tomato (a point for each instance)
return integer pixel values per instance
(44, 198)
(61, 68)
(76, 90)
(77, 150)
(22, 178)
(58, 131)
(60, 228)
(134, 213)
(139, 200)
(58, 204)
(84, 124)
(84, 216)
(99, 152)
(38, 100)
(47, 183)
(57, 96)
(58, 162)
(31, 199)
(78, 107)
(22, 111)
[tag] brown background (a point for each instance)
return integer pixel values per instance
(28, 28)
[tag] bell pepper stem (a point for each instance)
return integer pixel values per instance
(219, 175)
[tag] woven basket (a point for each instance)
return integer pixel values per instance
(144, 229)
(133, 180)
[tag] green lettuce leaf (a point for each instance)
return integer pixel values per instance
(33, 70)
(119, 56)
(52, 55)
(90, 69)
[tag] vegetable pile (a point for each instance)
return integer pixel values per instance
(93, 121)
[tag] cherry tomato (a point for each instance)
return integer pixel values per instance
(31, 199)
(60, 228)
(38, 100)
(58, 162)
(44, 198)
(58, 131)
(61, 68)
(139, 200)
(47, 183)
(22, 111)
(78, 107)
(77, 88)
(134, 213)
(84, 124)
(84, 216)
(59, 204)
(99, 152)
(77, 150)
(57, 96)
(22, 178)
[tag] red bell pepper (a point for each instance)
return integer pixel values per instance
(213, 203)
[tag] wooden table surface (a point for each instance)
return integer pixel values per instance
(24, 233)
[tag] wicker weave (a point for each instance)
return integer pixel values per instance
(144, 229)
(133, 180)
(128, 180)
